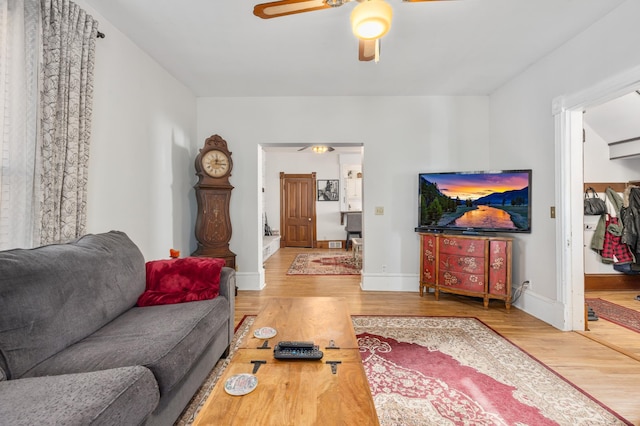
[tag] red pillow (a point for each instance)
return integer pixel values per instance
(181, 280)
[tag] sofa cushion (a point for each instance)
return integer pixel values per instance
(56, 295)
(167, 339)
(181, 280)
(111, 397)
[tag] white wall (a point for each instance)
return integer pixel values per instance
(597, 165)
(142, 149)
(523, 130)
(402, 136)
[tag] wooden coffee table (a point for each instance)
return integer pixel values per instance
(297, 392)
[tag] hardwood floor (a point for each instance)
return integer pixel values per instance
(613, 335)
(610, 376)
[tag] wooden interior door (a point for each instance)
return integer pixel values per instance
(297, 210)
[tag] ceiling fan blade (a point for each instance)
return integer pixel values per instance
(287, 7)
(330, 148)
(367, 49)
(304, 147)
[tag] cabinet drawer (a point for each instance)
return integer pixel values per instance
(466, 264)
(461, 281)
(428, 259)
(462, 246)
(498, 287)
(429, 247)
(498, 268)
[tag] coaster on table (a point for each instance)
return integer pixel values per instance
(240, 384)
(265, 332)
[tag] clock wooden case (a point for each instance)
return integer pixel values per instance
(213, 194)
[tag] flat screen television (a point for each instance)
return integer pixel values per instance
(475, 202)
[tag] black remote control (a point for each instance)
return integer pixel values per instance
(294, 344)
(297, 350)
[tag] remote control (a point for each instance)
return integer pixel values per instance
(294, 344)
(297, 352)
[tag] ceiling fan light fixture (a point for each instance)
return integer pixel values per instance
(334, 3)
(319, 149)
(371, 19)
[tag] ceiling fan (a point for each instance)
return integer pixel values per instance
(318, 149)
(370, 19)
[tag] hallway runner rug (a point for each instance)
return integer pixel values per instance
(615, 313)
(451, 371)
(324, 264)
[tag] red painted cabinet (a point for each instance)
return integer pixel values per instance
(470, 265)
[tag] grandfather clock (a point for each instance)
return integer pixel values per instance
(213, 193)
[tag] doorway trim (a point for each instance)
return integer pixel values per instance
(569, 176)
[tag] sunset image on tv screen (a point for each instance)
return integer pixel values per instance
(491, 201)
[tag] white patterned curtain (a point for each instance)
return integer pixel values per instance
(68, 56)
(19, 48)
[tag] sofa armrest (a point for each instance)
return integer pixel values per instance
(228, 290)
(116, 396)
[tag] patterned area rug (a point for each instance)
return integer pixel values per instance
(457, 371)
(615, 313)
(324, 264)
(451, 371)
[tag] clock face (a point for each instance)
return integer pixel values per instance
(215, 163)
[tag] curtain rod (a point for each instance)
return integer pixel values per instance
(100, 35)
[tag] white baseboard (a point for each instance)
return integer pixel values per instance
(250, 280)
(543, 308)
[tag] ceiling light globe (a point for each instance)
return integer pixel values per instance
(371, 19)
(371, 29)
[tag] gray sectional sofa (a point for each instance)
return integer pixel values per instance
(76, 350)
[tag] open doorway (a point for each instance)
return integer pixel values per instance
(294, 159)
(568, 112)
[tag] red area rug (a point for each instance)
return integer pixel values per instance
(457, 371)
(324, 264)
(615, 313)
(451, 371)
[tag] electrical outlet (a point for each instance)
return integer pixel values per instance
(379, 211)
(384, 268)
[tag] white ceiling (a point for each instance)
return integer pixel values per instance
(617, 120)
(617, 123)
(460, 47)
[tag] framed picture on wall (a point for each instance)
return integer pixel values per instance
(328, 190)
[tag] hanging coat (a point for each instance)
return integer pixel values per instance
(630, 216)
(614, 250)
